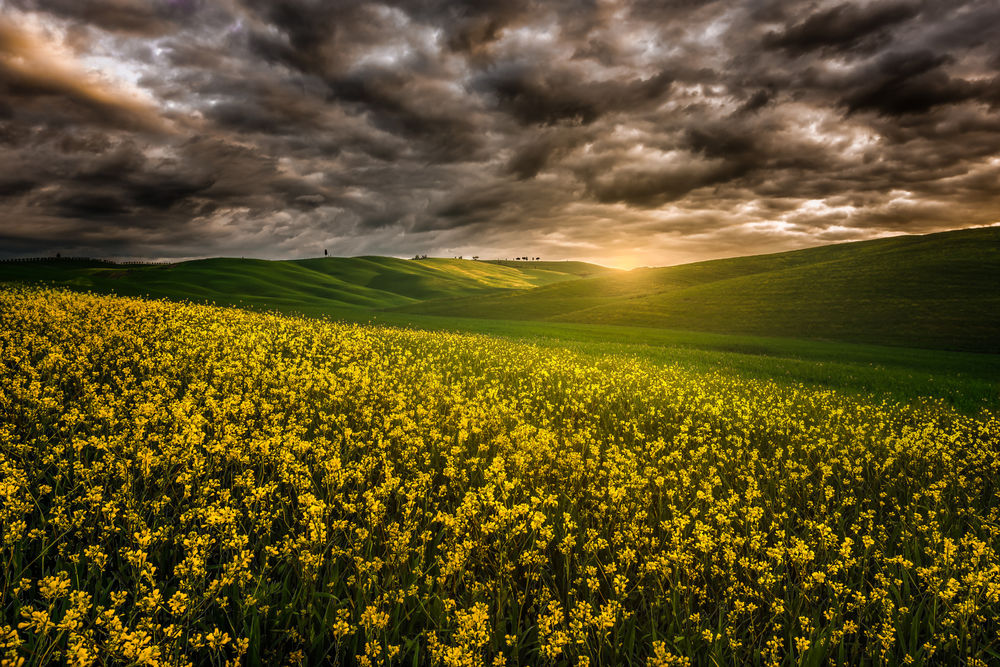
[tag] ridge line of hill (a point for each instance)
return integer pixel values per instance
(939, 291)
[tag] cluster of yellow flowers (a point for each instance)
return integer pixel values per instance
(183, 484)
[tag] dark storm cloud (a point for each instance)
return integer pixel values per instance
(603, 129)
(757, 101)
(843, 27)
(652, 187)
(471, 207)
(16, 187)
(536, 150)
(423, 110)
(907, 83)
(89, 205)
(536, 95)
(139, 17)
(314, 37)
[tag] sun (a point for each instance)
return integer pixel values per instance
(625, 261)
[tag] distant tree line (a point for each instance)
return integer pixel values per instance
(90, 260)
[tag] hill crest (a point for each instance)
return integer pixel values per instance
(936, 290)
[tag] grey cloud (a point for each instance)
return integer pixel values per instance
(666, 184)
(40, 88)
(425, 125)
(139, 17)
(17, 187)
(843, 27)
(90, 205)
(536, 95)
(757, 101)
(471, 207)
(422, 109)
(908, 82)
(537, 150)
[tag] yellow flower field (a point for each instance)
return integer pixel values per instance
(184, 484)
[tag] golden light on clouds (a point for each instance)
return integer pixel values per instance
(36, 60)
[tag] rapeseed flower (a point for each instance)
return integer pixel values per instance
(185, 484)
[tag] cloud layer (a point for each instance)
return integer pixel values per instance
(623, 132)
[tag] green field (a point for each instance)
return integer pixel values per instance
(964, 380)
(311, 286)
(939, 291)
(908, 318)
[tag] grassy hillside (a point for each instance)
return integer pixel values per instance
(747, 316)
(311, 286)
(935, 291)
(967, 381)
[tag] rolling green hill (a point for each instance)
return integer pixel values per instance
(937, 291)
(310, 286)
(746, 316)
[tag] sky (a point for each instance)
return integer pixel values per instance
(626, 133)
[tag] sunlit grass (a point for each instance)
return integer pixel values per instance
(936, 291)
